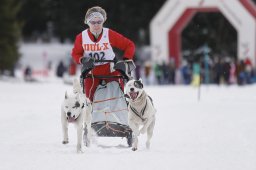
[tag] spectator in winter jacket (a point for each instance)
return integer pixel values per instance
(61, 68)
(97, 42)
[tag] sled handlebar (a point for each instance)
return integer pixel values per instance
(101, 61)
(102, 76)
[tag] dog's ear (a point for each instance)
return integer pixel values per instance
(140, 79)
(76, 86)
(66, 95)
(138, 83)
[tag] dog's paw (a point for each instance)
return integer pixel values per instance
(80, 149)
(87, 143)
(64, 142)
(134, 149)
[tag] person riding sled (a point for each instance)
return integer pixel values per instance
(95, 44)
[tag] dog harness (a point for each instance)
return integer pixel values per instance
(140, 115)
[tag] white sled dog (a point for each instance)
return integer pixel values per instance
(141, 111)
(76, 109)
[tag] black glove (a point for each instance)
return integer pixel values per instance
(121, 66)
(88, 65)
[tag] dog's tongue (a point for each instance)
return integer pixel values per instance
(71, 119)
(133, 95)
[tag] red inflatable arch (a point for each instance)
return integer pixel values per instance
(167, 26)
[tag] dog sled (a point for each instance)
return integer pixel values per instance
(110, 113)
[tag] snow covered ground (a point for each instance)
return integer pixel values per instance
(216, 133)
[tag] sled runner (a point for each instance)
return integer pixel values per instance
(110, 113)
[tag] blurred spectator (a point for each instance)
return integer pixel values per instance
(232, 78)
(60, 69)
(217, 69)
(185, 72)
(28, 74)
(147, 70)
(158, 73)
(196, 74)
(138, 67)
(171, 70)
(254, 75)
(165, 73)
(226, 70)
(206, 67)
(240, 72)
(248, 71)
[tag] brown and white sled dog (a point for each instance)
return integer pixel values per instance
(76, 109)
(141, 111)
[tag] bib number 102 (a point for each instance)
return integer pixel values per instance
(97, 56)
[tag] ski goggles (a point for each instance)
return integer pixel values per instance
(96, 22)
